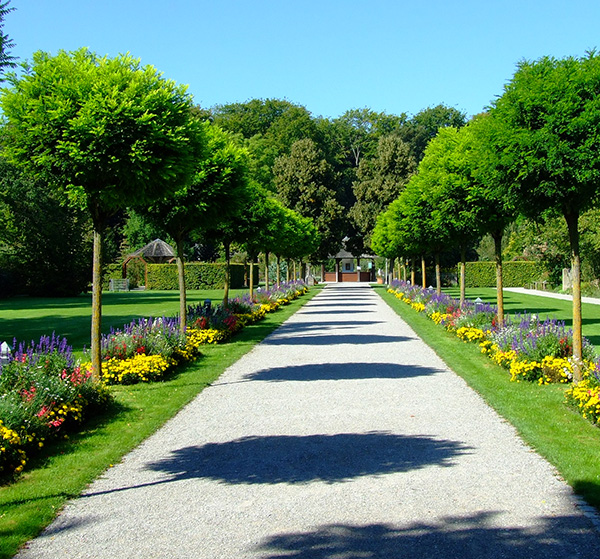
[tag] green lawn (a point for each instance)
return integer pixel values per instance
(558, 433)
(31, 503)
(28, 318)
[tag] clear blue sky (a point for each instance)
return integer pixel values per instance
(329, 55)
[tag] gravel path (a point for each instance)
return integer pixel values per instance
(341, 436)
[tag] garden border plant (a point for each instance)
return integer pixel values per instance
(134, 413)
(539, 414)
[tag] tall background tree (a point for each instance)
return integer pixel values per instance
(104, 133)
(303, 180)
(45, 246)
(379, 181)
(6, 43)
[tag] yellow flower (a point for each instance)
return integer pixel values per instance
(469, 334)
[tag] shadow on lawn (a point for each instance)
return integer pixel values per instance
(473, 536)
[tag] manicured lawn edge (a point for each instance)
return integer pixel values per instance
(30, 504)
(538, 413)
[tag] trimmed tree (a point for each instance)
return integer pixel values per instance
(104, 132)
(213, 197)
(551, 144)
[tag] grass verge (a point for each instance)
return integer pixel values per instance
(28, 318)
(31, 503)
(539, 414)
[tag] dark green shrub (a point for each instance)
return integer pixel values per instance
(514, 274)
(198, 275)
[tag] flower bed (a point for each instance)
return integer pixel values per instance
(528, 348)
(43, 394)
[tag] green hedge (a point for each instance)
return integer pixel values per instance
(198, 275)
(514, 274)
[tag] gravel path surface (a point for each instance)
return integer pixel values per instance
(341, 436)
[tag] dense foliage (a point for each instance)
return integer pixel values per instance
(199, 275)
(517, 273)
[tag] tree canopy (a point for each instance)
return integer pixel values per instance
(6, 43)
(550, 141)
(104, 133)
(303, 180)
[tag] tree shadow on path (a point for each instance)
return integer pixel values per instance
(333, 339)
(341, 371)
(303, 459)
(468, 537)
(296, 327)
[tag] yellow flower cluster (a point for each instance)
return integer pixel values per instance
(12, 458)
(419, 307)
(208, 336)
(8, 436)
(439, 317)
(138, 368)
(550, 370)
(73, 410)
(586, 396)
(470, 334)
(502, 358)
(524, 370)
(556, 369)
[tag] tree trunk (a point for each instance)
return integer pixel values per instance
(278, 270)
(463, 259)
(497, 236)
(438, 274)
(96, 332)
(251, 278)
(404, 263)
(182, 289)
(412, 271)
(226, 246)
(295, 271)
(423, 275)
(572, 220)
(267, 271)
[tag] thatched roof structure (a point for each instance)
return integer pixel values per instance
(157, 252)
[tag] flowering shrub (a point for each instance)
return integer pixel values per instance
(146, 336)
(530, 349)
(42, 393)
(206, 316)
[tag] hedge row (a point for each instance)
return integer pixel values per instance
(514, 274)
(198, 275)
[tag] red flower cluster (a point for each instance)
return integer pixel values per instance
(566, 349)
(28, 395)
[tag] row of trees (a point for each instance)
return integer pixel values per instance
(340, 173)
(534, 154)
(100, 135)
